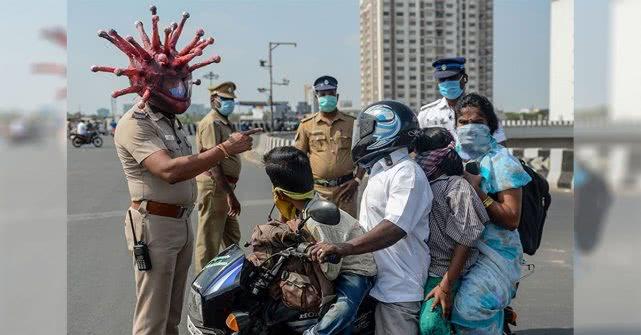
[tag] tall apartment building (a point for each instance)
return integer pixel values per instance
(399, 40)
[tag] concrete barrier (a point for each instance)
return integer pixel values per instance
(556, 164)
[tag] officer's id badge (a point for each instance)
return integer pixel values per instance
(170, 137)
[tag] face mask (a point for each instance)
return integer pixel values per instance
(327, 103)
(176, 88)
(226, 107)
(450, 89)
(288, 210)
(475, 140)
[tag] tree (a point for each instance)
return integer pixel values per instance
(103, 112)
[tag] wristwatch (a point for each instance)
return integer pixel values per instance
(358, 180)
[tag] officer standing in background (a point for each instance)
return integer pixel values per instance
(218, 207)
(326, 137)
(451, 78)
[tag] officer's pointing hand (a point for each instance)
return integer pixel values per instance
(240, 142)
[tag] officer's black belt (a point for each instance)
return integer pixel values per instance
(334, 182)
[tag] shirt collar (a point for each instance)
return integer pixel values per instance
(443, 104)
(220, 117)
(339, 116)
(397, 156)
(156, 116)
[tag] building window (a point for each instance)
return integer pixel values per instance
(399, 13)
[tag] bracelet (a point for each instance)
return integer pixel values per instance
(487, 202)
(222, 148)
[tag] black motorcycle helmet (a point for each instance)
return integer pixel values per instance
(380, 129)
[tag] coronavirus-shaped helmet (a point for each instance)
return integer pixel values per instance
(158, 72)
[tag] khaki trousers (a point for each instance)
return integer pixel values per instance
(216, 229)
(331, 194)
(160, 291)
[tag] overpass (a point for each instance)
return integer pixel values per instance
(547, 146)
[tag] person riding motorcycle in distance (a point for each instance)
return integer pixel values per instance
(290, 172)
(394, 212)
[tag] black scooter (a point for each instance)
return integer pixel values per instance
(230, 295)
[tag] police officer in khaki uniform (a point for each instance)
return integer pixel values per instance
(327, 138)
(160, 169)
(218, 206)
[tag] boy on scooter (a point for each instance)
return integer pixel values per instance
(293, 186)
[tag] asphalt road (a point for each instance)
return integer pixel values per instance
(100, 296)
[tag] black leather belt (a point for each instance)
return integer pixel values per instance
(334, 182)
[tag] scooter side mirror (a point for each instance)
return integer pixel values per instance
(322, 211)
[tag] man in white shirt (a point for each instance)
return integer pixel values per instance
(394, 213)
(451, 77)
(81, 128)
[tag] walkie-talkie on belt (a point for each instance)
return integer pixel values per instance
(141, 252)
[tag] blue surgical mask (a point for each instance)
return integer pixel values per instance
(474, 140)
(450, 89)
(327, 103)
(226, 107)
(178, 91)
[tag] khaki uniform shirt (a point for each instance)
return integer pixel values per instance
(347, 229)
(214, 129)
(329, 145)
(140, 133)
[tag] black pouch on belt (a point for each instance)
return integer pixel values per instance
(141, 252)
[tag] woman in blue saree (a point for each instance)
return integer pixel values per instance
(490, 284)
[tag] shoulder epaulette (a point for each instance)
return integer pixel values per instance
(308, 118)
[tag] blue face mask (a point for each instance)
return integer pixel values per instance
(327, 103)
(450, 89)
(474, 139)
(226, 107)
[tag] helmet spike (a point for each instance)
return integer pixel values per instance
(199, 33)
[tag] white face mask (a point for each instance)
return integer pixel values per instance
(475, 140)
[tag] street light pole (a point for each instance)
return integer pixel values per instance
(211, 76)
(272, 46)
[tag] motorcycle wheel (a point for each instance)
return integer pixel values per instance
(97, 141)
(77, 142)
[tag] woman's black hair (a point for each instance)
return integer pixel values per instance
(452, 164)
(483, 104)
(432, 138)
(289, 169)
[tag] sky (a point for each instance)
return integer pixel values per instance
(327, 34)
(22, 90)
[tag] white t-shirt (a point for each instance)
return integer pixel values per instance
(402, 195)
(82, 128)
(440, 114)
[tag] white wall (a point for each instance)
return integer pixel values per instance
(561, 60)
(625, 51)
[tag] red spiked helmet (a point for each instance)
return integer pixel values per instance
(158, 72)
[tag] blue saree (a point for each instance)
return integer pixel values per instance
(490, 284)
